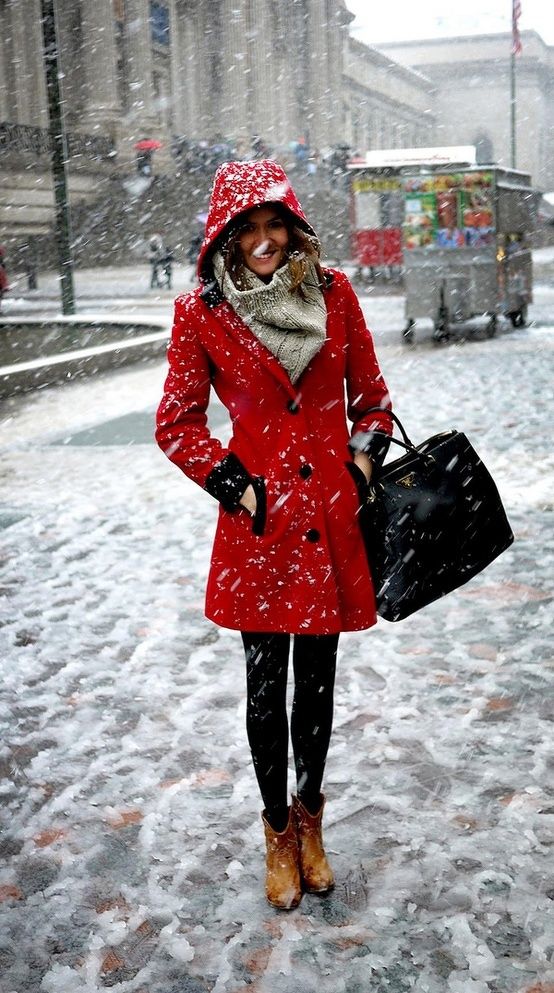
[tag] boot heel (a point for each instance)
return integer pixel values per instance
(315, 871)
(282, 886)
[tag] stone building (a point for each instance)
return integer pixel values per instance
(268, 69)
(238, 71)
(227, 70)
(386, 105)
(184, 67)
(471, 96)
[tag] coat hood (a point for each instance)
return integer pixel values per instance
(239, 186)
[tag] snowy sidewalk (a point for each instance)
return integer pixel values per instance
(117, 288)
(124, 287)
(131, 855)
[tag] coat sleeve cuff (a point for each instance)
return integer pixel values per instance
(373, 443)
(227, 481)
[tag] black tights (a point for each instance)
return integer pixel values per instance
(314, 660)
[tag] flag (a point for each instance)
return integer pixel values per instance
(517, 47)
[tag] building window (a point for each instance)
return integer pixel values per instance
(159, 23)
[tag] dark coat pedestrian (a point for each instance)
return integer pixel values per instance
(194, 246)
(4, 281)
(166, 262)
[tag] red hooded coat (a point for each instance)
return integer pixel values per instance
(300, 567)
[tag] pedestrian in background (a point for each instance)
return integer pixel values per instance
(197, 238)
(155, 256)
(30, 265)
(278, 336)
(4, 282)
(194, 247)
(167, 260)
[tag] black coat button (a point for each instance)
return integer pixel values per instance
(305, 470)
(313, 535)
(293, 407)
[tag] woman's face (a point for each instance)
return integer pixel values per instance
(263, 239)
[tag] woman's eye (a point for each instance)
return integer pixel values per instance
(276, 224)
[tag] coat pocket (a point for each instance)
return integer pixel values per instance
(260, 516)
(359, 478)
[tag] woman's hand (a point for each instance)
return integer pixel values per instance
(248, 500)
(364, 463)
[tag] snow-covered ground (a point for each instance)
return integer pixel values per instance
(542, 256)
(131, 855)
(125, 287)
(125, 290)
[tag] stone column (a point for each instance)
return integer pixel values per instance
(282, 91)
(100, 101)
(267, 73)
(318, 74)
(184, 69)
(205, 69)
(297, 59)
(236, 83)
(141, 120)
(5, 61)
(178, 76)
(138, 51)
(20, 56)
(28, 62)
(68, 22)
(337, 34)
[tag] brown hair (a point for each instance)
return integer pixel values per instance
(302, 247)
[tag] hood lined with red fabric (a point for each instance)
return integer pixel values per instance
(240, 186)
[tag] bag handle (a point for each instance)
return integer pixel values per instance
(397, 421)
(407, 444)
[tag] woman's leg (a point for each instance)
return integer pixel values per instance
(314, 662)
(266, 719)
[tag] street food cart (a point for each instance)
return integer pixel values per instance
(377, 215)
(463, 229)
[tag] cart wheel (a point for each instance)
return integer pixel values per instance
(441, 332)
(408, 334)
(492, 326)
(519, 317)
(441, 325)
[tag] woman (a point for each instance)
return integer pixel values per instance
(277, 337)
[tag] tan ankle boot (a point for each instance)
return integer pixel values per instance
(317, 875)
(282, 885)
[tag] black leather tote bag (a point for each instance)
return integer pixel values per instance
(430, 521)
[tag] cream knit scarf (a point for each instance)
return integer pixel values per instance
(291, 328)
